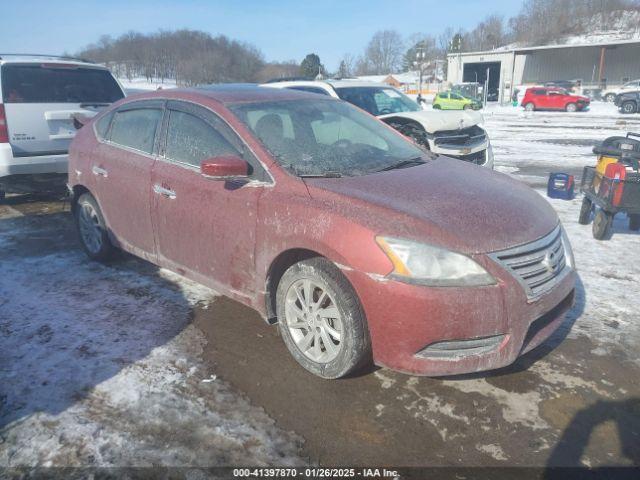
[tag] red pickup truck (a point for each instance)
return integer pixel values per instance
(545, 98)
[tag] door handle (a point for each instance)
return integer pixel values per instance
(160, 190)
(100, 171)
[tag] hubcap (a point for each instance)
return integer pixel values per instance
(313, 320)
(90, 229)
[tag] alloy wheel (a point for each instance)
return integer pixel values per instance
(90, 228)
(313, 320)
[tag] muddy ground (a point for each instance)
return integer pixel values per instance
(562, 404)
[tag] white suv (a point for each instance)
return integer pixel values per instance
(457, 134)
(39, 99)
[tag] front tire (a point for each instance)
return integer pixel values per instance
(602, 225)
(467, 107)
(321, 320)
(585, 211)
(629, 107)
(571, 107)
(92, 229)
(634, 222)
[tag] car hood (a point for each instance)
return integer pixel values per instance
(434, 121)
(445, 202)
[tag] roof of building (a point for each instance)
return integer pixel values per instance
(546, 47)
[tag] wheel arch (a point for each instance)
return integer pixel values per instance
(276, 269)
(77, 191)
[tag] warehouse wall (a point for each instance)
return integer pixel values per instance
(582, 63)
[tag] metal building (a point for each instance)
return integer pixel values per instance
(596, 65)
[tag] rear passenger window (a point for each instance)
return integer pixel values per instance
(136, 128)
(102, 125)
(191, 140)
(539, 92)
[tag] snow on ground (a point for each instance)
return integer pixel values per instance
(100, 366)
(606, 308)
(140, 84)
(529, 145)
(532, 144)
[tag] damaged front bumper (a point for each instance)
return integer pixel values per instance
(438, 331)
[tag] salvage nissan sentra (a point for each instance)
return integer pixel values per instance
(360, 245)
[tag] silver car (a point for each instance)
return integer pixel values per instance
(40, 96)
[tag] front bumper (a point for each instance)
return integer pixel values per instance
(482, 155)
(405, 319)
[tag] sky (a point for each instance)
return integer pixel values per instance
(282, 29)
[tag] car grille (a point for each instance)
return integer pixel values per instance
(464, 137)
(479, 158)
(538, 266)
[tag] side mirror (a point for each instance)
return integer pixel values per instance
(224, 167)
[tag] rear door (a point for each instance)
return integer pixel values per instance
(40, 100)
(121, 167)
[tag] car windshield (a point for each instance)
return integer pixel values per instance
(326, 138)
(378, 100)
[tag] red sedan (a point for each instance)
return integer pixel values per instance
(553, 98)
(360, 245)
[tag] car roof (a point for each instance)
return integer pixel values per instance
(333, 83)
(43, 58)
(230, 93)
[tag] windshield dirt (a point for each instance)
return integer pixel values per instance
(326, 138)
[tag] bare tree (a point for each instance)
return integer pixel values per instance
(383, 53)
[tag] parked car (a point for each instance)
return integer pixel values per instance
(455, 134)
(360, 245)
(628, 102)
(455, 101)
(537, 98)
(610, 93)
(39, 98)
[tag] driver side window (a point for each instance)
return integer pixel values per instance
(191, 140)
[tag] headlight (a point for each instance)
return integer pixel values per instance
(428, 265)
(568, 251)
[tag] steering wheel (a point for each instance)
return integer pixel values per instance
(342, 143)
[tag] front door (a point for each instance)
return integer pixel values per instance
(122, 165)
(205, 227)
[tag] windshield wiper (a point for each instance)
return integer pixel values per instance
(320, 175)
(403, 164)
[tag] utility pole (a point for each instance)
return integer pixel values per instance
(420, 58)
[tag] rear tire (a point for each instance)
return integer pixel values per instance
(602, 225)
(92, 229)
(629, 107)
(3, 195)
(530, 107)
(585, 211)
(571, 107)
(437, 107)
(634, 222)
(327, 333)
